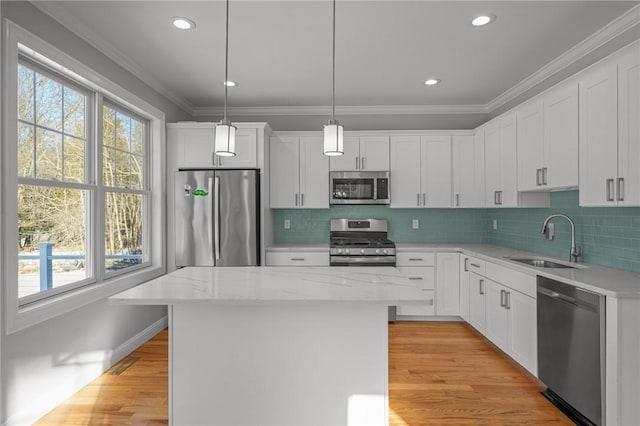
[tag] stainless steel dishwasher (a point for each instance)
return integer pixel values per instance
(571, 349)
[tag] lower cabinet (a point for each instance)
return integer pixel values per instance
(297, 258)
(421, 272)
(477, 302)
(447, 284)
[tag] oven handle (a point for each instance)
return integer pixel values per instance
(363, 260)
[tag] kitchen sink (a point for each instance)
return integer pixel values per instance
(541, 263)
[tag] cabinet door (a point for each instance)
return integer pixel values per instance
(297, 258)
(447, 284)
(374, 153)
(246, 151)
(530, 146)
(405, 171)
(436, 171)
(314, 174)
(508, 161)
(464, 287)
(478, 145)
(350, 161)
(464, 171)
(424, 279)
(492, 163)
(497, 315)
(523, 330)
(598, 99)
(477, 306)
(629, 129)
(195, 146)
(561, 138)
(284, 168)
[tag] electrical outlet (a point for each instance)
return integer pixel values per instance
(415, 224)
(495, 224)
(287, 223)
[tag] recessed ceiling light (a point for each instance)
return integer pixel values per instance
(230, 83)
(481, 20)
(183, 23)
(432, 81)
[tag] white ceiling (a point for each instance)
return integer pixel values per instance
(280, 51)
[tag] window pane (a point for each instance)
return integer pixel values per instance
(51, 218)
(48, 155)
(137, 167)
(137, 137)
(108, 126)
(48, 103)
(74, 113)
(108, 166)
(26, 96)
(123, 169)
(123, 230)
(73, 159)
(123, 132)
(26, 143)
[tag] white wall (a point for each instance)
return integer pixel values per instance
(43, 364)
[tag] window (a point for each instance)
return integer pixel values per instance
(83, 184)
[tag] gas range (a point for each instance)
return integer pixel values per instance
(360, 242)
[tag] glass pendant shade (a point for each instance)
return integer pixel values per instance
(333, 138)
(225, 140)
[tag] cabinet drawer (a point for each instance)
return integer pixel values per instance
(297, 258)
(419, 310)
(474, 265)
(415, 259)
(422, 277)
(516, 280)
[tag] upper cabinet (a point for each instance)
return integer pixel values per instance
(420, 171)
(548, 141)
(299, 173)
(468, 170)
(610, 132)
(500, 160)
(194, 144)
(363, 153)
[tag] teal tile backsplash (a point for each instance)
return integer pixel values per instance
(436, 225)
(608, 236)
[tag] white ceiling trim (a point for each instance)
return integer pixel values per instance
(342, 110)
(615, 28)
(607, 33)
(85, 33)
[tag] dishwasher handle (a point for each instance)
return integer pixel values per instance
(567, 299)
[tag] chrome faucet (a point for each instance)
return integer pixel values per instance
(574, 251)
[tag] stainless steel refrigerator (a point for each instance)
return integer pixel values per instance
(217, 215)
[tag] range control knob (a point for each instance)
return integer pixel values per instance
(384, 251)
(362, 251)
(346, 251)
(378, 251)
(339, 251)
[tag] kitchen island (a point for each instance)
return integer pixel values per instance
(277, 345)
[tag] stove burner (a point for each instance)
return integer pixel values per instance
(365, 245)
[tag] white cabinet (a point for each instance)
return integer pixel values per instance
(464, 287)
(363, 153)
(195, 146)
(548, 141)
(299, 173)
(468, 170)
(500, 159)
(477, 303)
(298, 258)
(421, 171)
(420, 271)
(447, 284)
(609, 132)
(497, 315)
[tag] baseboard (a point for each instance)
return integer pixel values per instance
(43, 404)
(136, 341)
(429, 318)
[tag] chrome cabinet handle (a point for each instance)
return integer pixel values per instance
(500, 197)
(415, 259)
(507, 299)
(415, 278)
(296, 199)
(296, 259)
(475, 265)
(502, 298)
(424, 199)
(357, 163)
(466, 264)
(418, 199)
(301, 200)
(620, 189)
(481, 286)
(610, 190)
(538, 177)
(544, 175)
(362, 163)
(457, 200)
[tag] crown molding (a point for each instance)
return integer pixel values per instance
(342, 110)
(89, 36)
(607, 33)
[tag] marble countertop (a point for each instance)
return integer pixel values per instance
(275, 285)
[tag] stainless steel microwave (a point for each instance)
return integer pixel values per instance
(359, 188)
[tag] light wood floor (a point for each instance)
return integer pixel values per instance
(440, 373)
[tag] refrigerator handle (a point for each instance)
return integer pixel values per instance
(216, 217)
(209, 214)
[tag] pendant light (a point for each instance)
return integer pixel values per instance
(334, 131)
(225, 133)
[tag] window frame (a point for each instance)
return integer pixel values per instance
(19, 42)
